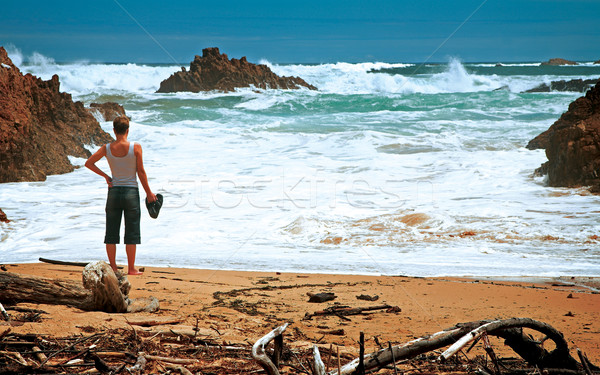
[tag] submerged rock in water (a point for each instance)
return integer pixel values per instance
(214, 71)
(572, 144)
(574, 85)
(40, 126)
(558, 61)
(109, 110)
(3, 218)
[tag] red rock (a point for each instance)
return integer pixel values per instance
(558, 61)
(214, 71)
(572, 144)
(109, 110)
(3, 218)
(40, 126)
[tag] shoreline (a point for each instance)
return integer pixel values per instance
(589, 281)
(242, 306)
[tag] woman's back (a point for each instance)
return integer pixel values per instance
(123, 164)
(119, 149)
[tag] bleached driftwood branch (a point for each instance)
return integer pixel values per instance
(410, 349)
(458, 345)
(5, 315)
(318, 364)
(259, 353)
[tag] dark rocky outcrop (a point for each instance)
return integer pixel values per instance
(40, 126)
(597, 62)
(108, 111)
(214, 71)
(557, 61)
(541, 141)
(572, 144)
(574, 85)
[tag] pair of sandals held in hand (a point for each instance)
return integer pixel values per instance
(154, 207)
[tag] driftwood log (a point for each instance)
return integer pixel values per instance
(63, 263)
(511, 330)
(102, 291)
(342, 311)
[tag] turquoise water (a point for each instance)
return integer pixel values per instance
(387, 169)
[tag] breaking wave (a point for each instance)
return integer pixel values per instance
(369, 78)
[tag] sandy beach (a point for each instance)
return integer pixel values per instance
(431, 172)
(235, 307)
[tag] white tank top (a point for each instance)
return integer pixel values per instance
(123, 169)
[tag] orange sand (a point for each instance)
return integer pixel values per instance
(427, 305)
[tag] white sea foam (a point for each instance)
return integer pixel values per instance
(14, 54)
(366, 78)
(84, 78)
(489, 65)
(340, 78)
(375, 173)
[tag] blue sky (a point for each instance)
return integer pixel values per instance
(306, 31)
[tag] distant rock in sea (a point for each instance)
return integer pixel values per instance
(574, 85)
(106, 111)
(557, 61)
(572, 144)
(40, 126)
(597, 62)
(214, 71)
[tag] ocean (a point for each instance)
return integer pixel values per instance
(393, 169)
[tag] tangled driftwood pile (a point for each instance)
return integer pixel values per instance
(137, 351)
(556, 361)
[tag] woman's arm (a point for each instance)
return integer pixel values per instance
(91, 164)
(137, 149)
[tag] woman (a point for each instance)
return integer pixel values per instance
(126, 165)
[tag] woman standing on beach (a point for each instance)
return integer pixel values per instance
(126, 164)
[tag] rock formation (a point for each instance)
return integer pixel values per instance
(572, 144)
(574, 85)
(557, 61)
(597, 62)
(214, 71)
(3, 218)
(40, 126)
(108, 111)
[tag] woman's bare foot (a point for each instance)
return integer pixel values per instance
(134, 272)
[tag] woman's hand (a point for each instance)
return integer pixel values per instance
(109, 181)
(151, 197)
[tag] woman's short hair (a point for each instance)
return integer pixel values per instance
(121, 124)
